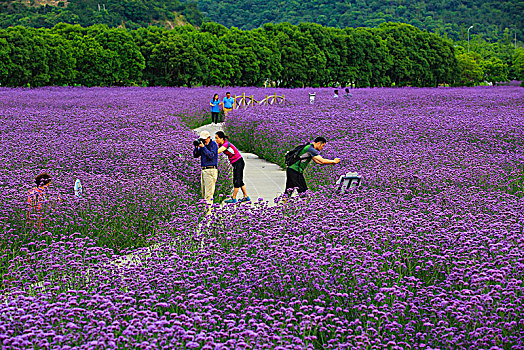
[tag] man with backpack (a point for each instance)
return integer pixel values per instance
(297, 161)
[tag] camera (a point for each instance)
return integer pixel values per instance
(198, 142)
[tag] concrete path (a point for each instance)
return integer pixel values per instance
(263, 179)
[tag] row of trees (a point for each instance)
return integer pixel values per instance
(291, 56)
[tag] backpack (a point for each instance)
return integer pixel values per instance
(293, 156)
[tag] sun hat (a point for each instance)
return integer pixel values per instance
(204, 134)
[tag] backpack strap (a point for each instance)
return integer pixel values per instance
(304, 150)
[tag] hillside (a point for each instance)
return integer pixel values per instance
(453, 17)
(114, 13)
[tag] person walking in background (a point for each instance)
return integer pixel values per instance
(236, 160)
(348, 94)
(207, 149)
(335, 95)
(295, 172)
(215, 108)
(228, 104)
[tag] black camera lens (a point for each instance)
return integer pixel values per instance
(196, 143)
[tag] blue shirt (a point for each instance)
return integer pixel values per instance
(208, 154)
(228, 102)
(215, 107)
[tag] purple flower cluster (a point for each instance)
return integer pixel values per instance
(427, 254)
(400, 137)
(129, 148)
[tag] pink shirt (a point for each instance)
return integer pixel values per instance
(231, 151)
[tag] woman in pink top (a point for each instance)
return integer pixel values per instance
(238, 164)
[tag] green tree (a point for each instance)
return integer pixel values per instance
(5, 60)
(518, 63)
(147, 39)
(253, 57)
(405, 45)
(94, 64)
(469, 71)
(318, 50)
(28, 56)
(178, 62)
(494, 70)
(298, 57)
(128, 62)
(220, 58)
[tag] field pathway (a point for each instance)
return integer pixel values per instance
(263, 179)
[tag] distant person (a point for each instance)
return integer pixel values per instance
(215, 108)
(228, 103)
(335, 94)
(37, 196)
(312, 98)
(295, 172)
(348, 94)
(207, 151)
(236, 160)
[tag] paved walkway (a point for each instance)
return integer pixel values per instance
(263, 179)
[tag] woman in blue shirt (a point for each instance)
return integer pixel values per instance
(215, 108)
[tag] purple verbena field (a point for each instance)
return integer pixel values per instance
(427, 254)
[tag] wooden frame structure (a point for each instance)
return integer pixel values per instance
(247, 101)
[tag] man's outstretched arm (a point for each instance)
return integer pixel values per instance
(321, 160)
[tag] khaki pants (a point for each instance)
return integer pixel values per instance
(208, 179)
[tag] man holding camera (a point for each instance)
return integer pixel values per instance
(207, 150)
(295, 172)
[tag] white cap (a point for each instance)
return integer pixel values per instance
(204, 134)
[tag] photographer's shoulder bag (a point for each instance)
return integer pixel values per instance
(293, 156)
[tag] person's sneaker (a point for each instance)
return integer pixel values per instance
(230, 200)
(244, 199)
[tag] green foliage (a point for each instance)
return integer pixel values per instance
(177, 61)
(285, 54)
(61, 60)
(503, 49)
(518, 64)
(451, 18)
(113, 13)
(5, 60)
(470, 73)
(28, 58)
(494, 70)
(66, 55)
(420, 57)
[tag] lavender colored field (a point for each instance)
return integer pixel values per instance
(428, 254)
(131, 151)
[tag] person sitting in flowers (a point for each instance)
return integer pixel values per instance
(236, 160)
(37, 196)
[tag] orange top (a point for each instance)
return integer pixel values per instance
(35, 197)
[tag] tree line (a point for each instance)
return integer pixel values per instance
(283, 54)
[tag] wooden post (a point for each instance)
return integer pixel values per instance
(265, 99)
(275, 98)
(283, 98)
(252, 101)
(243, 99)
(235, 102)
